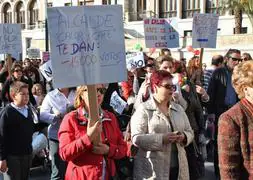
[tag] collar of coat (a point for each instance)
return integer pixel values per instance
(151, 105)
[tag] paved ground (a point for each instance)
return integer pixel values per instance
(38, 174)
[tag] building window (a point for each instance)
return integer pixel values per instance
(167, 8)
(49, 4)
(20, 14)
(141, 9)
(213, 6)
(89, 2)
(67, 4)
(190, 7)
(7, 15)
(244, 30)
(33, 14)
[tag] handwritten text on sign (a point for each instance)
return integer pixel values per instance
(10, 38)
(46, 70)
(161, 33)
(117, 103)
(204, 30)
(88, 43)
(135, 60)
(33, 53)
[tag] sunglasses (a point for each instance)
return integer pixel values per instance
(150, 65)
(18, 70)
(100, 90)
(171, 87)
(236, 59)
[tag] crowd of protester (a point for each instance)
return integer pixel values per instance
(179, 114)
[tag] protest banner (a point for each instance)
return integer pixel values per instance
(204, 30)
(33, 53)
(45, 56)
(10, 38)
(117, 103)
(46, 70)
(87, 42)
(161, 33)
(135, 60)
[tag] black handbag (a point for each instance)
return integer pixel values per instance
(124, 166)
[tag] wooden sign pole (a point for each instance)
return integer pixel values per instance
(201, 56)
(93, 108)
(9, 63)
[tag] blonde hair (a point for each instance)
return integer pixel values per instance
(242, 76)
(78, 98)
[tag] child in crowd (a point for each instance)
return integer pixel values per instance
(38, 94)
(16, 130)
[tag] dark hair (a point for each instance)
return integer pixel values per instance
(247, 55)
(217, 59)
(15, 65)
(231, 51)
(157, 77)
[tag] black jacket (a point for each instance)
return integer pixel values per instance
(15, 132)
(217, 92)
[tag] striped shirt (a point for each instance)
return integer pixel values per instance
(207, 76)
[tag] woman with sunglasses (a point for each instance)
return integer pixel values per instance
(161, 130)
(87, 159)
(16, 75)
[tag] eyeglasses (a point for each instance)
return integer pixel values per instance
(100, 90)
(150, 65)
(236, 59)
(171, 87)
(18, 70)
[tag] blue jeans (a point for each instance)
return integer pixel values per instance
(58, 166)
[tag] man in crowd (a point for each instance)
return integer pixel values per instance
(217, 61)
(222, 94)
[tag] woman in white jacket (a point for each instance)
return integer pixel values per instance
(161, 130)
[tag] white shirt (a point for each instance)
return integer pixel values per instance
(23, 110)
(55, 102)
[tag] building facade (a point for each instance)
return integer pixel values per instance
(31, 15)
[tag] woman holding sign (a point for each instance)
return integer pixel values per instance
(86, 159)
(160, 129)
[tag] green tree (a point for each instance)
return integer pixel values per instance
(239, 7)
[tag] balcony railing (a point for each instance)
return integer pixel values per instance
(189, 12)
(168, 14)
(37, 25)
(216, 10)
(139, 16)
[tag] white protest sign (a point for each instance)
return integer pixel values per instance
(10, 39)
(33, 53)
(46, 70)
(161, 33)
(204, 30)
(135, 60)
(117, 103)
(88, 43)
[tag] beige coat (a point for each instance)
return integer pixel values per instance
(148, 125)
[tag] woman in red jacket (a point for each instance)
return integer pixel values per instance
(86, 160)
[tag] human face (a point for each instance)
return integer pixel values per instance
(233, 60)
(100, 94)
(39, 91)
(248, 91)
(21, 98)
(167, 66)
(18, 72)
(150, 66)
(164, 91)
